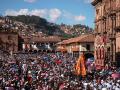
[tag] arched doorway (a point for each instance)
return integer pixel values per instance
(20, 43)
(1, 44)
(89, 56)
(90, 66)
(118, 59)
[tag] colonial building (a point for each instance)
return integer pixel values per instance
(9, 41)
(38, 43)
(107, 27)
(24, 37)
(78, 45)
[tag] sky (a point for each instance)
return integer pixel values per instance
(56, 11)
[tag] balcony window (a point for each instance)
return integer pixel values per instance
(97, 54)
(88, 47)
(9, 37)
(97, 11)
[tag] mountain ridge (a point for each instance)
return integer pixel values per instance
(42, 25)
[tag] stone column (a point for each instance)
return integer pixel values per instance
(113, 39)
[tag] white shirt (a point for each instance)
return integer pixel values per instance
(104, 88)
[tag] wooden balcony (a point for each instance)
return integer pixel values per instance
(112, 11)
(117, 29)
(61, 49)
(97, 33)
(112, 37)
(75, 49)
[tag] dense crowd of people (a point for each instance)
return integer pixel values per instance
(49, 71)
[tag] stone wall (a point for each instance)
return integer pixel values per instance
(9, 41)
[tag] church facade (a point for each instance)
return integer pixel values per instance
(107, 32)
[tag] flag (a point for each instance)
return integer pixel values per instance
(83, 70)
(80, 68)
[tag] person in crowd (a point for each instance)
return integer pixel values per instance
(48, 71)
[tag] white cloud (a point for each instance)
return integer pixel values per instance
(88, 1)
(79, 18)
(36, 12)
(54, 14)
(23, 12)
(51, 15)
(73, 17)
(30, 1)
(39, 12)
(15, 13)
(67, 14)
(11, 13)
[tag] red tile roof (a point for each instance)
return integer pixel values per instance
(46, 39)
(80, 39)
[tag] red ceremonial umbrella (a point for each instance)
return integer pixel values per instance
(115, 75)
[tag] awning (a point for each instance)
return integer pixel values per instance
(62, 49)
(115, 75)
(99, 67)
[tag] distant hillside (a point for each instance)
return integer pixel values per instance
(42, 25)
(76, 30)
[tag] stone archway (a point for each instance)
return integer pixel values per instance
(118, 59)
(1, 44)
(89, 55)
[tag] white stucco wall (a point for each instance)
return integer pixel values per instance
(69, 49)
(82, 46)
